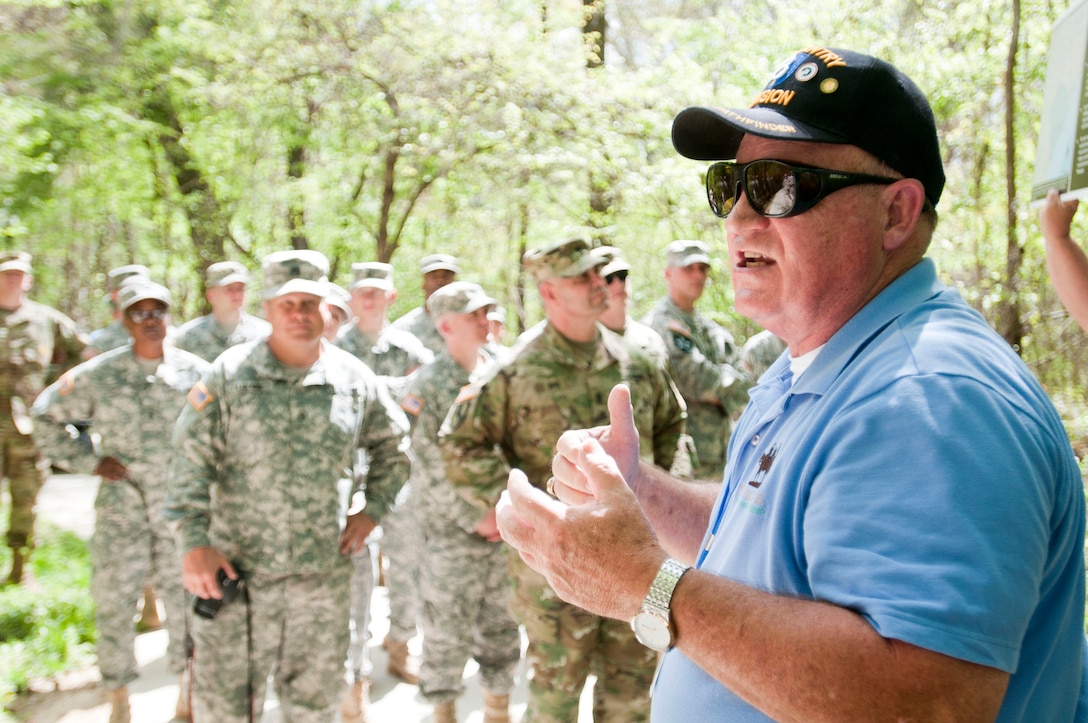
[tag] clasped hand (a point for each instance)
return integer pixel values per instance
(592, 541)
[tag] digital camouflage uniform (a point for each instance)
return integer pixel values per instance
(260, 448)
(463, 580)
(419, 324)
(514, 419)
(392, 358)
(115, 334)
(760, 351)
(109, 337)
(705, 366)
(37, 343)
(204, 336)
(132, 406)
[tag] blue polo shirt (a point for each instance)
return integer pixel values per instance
(918, 474)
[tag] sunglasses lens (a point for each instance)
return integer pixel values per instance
(721, 188)
(771, 188)
(617, 276)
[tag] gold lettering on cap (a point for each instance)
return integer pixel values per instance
(829, 58)
(775, 96)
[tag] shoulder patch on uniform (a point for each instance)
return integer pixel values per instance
(412, 404)
(66, 384)
(469, 391)
(199, 396)
(679, 327)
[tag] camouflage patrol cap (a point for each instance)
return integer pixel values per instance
(373, 274)
(686, 253)
(115, 277)
(568, 258)
(497, 314)
(460, 297)
(338, 296)
(613, 260)
(439, 262)
(15, 261)
(303, 271)
(141, 289)
(225, 273)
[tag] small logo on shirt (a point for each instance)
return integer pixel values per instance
(751, 498)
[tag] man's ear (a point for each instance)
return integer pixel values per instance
(903, 202)
(391, 296)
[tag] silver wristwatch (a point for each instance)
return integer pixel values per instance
(652, 625)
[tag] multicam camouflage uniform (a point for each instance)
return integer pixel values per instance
(514, 420)
(705, 366)
(463, 580)
(204, 336)
(37, 343)
(132, 406)
(259, 451)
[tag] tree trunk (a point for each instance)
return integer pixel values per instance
(1011, 326)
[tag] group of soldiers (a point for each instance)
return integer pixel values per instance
(300, 433)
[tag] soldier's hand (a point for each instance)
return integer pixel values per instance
(111, 469)
(356, 530)
(600, 554)
(199, 570)
(618, 440)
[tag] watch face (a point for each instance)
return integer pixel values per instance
(652, 631)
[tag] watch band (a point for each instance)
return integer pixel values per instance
(659, 597)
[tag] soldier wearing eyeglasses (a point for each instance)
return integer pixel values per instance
(704, 357)
(130, 396)
(900, 530)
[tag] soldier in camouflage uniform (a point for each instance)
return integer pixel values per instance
(760, 351)
(37, 343)
(131, 396)
(561, 378)
(338, 306)
(616, 317)
(463, 570)
(393, 354)
(210, 335)
(704, 358)
(114, 334)
(438, 270)
(259, 450)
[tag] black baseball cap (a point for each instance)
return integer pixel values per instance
(828, 96)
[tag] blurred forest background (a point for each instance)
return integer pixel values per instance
(177, 133)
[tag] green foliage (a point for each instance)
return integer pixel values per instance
(175, 133)
(49, 628)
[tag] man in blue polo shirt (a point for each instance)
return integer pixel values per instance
(899, 533)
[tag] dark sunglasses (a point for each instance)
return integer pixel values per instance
(776, 189)
(621, 275)
(141, 315)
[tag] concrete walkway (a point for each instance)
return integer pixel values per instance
(68, 501)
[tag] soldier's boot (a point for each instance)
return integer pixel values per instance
(355, 705)
(149, 614)
(402, 664)
(119, 709)
(496, 707)
(181, 710)
(18, 563)
(446, 712)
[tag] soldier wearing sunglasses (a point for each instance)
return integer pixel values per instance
(131, 397)
(900, 530)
